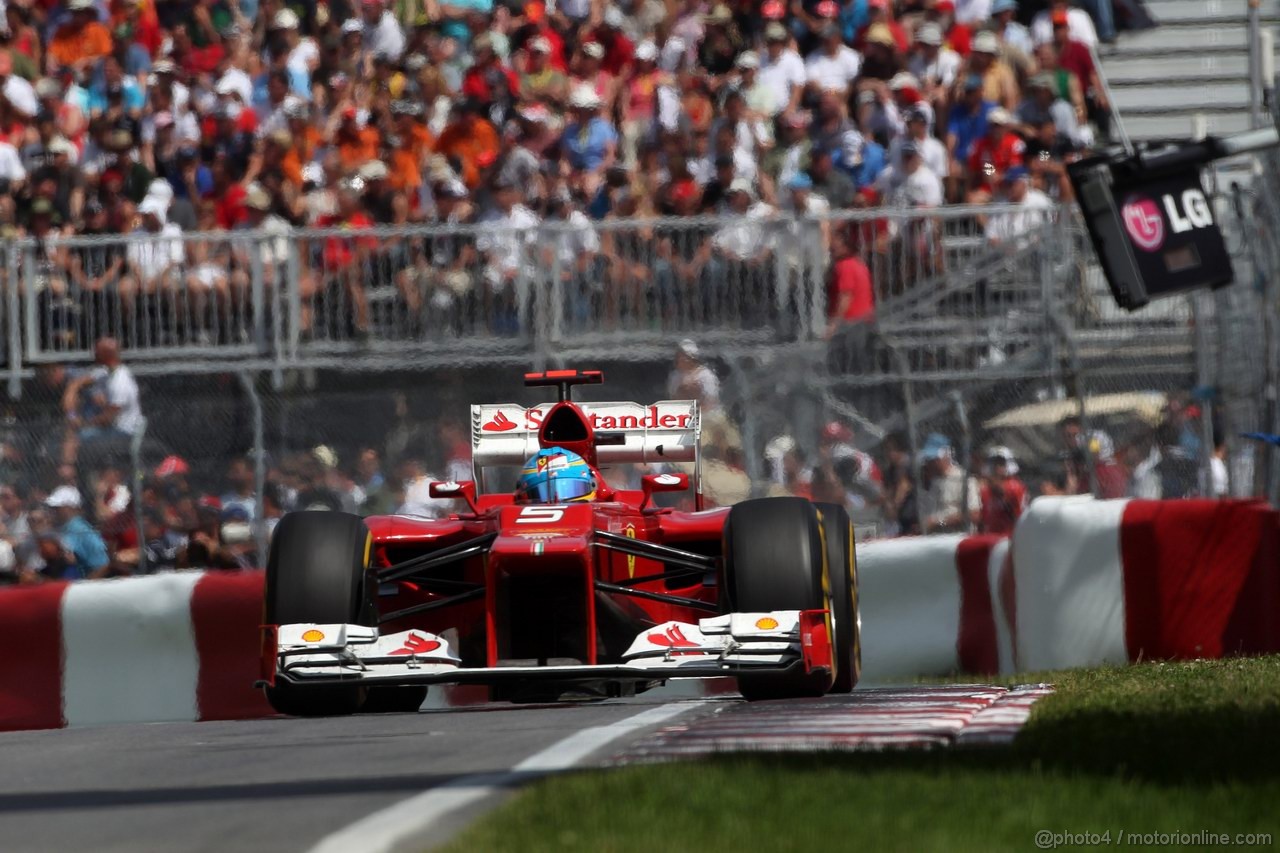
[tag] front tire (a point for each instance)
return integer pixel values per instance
(775, 560)
(842, 568)
(316, 573)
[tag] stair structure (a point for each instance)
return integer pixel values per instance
(1194, 64)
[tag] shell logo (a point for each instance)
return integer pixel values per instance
(767, 623)
(311, 635)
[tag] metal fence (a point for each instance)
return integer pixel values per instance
(328, 366)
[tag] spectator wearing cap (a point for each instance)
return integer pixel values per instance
(1003, 495)
(589, 142)
(80, 41)
(1005, 24)
(639, 98)
(489, 80)
(759, 97)
(1042, 104)
(782, 70)
(966, 124)
(932, 152)
(151, 265)
(999, 85)
(1061, 13)
(85, 552)
(468, 137)
(1034, 211)
(914, 184)
(619, 51)
(738, 258)
(807, 232)
(741, 134)
(439, 290)
(908, 97)
(881, 58)
(540, 80)
(956, 35)
(833, 184)
(1075, 56)
(721, 43)
(382, 32)
(507, 247)
(789, 156)
(880, 21)
(833, 65)
(951, 502)
(691, 378)
(998, 151)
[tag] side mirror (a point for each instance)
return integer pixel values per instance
(465, 490)
(651, 484)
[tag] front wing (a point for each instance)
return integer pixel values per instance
(781, 641)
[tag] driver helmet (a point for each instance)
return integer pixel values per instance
(555, 475)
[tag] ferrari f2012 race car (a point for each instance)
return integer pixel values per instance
(565, 586)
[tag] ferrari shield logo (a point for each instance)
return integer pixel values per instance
(630, 532)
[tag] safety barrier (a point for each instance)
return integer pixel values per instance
(1081, 583)
(1120, 581)
(178, 646)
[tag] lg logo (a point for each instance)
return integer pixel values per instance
(1145, 225)
(1198, 214)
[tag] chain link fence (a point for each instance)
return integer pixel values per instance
(282, 370)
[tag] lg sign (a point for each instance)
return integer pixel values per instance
(1145, 226)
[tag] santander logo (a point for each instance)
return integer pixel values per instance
(417, 645)
(1143, 222)
(499, 423)
(673, 638)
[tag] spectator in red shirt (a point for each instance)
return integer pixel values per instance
(618, 49)
(880, 12)
(1004, 496)
(994, 154)
(483, 80)
(1076, 58)
(347, 259)
(851, 306)
(959, 37)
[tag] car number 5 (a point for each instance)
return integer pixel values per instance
(540, 515)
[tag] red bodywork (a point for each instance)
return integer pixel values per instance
(539, 573)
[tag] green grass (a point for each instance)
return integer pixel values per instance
(1180, 747)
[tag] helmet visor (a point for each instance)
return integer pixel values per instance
(556, 490)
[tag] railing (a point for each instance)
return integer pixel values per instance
(489, 293)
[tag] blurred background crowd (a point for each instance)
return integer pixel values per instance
(82, 516)
(163, 117)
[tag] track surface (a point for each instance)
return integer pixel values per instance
(269, 785)
(284, 784)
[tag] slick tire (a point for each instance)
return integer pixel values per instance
(842, 570)
(316, 573)
(775, 560)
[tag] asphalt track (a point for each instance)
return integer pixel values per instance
(269, 785)
(286, 784)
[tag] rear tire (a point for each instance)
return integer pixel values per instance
(316, 573)
(775, 560)
(842, 569)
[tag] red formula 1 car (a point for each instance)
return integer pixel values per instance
(603, 597)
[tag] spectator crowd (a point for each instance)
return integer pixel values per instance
(163, 118)
(71, 509)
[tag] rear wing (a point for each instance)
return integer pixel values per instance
(667, 431)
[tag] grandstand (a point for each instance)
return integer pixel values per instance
(318, 232)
